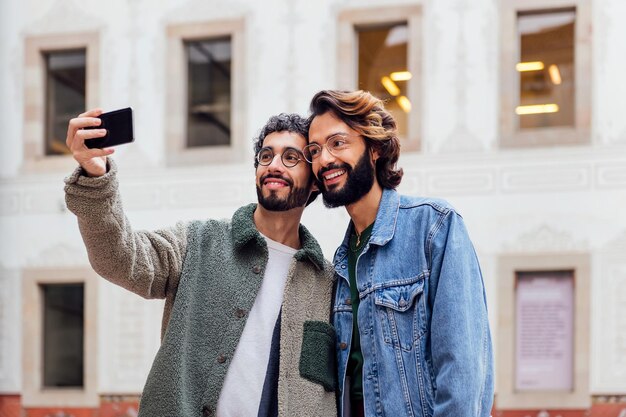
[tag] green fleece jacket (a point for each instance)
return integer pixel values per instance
(209, 273)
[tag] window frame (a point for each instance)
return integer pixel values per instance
(508, 267)
(178, 154)
(510, 135)
(34, 129)
(34, 394)
(347, 57)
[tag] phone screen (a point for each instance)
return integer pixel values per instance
(119, 127)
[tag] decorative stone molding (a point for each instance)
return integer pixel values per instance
(611, 175)
(541, 178)
(609, 399)
(63, 16)
(545, 238)
(617, 246)
(59, 255)
(475, 181)
(9, 202)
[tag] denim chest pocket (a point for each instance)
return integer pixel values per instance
(402, 313)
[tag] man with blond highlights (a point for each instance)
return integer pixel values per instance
(409, 309)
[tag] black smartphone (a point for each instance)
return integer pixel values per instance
(119, 127)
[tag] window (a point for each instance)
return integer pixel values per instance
(63, 335)
(65, 95)
(546, 69)
(208, 92)
(205, 110)
(383, 68)
(546, 74)
(380, 52)
(59, 337)
(543, 331)
(61, 81)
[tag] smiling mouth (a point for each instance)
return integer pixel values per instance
(275, 183)
(333, 175)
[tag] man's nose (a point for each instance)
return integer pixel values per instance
(276, 164)
(325, 157)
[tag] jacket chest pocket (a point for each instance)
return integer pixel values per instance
(401, 313)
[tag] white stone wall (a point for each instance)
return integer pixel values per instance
(558, 199)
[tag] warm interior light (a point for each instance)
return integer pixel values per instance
(555, 74)
(529, 66)
(400, 76)
(537, 109)
(390, 86)
(404, 103)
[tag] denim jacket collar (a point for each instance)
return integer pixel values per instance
(384, 227)
(386, 218)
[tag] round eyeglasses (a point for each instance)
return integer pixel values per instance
(290, 157)
(334, 145)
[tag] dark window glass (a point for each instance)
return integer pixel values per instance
(65, 95)
(383, 67)
(546, 68)
(208, 92)
(63, 335)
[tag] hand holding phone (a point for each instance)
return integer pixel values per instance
(119, 127)
(86, 136)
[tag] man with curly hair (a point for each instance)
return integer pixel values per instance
(245, 330)
(409, 309)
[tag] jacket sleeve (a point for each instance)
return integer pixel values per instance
(461, 342)
(148, 263)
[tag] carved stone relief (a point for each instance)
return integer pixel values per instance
(59, 255)
(63, 16)
(545, 238)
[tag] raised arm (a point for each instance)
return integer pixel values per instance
(147, 263)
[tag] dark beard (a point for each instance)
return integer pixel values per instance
(297, 196)
(360, 181)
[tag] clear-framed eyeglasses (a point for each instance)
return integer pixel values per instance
(290, 157)
(334, 145)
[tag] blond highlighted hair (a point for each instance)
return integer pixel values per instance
(365, 114)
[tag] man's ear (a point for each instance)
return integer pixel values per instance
(314, 187)
(375, 154)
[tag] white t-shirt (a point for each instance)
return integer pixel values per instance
(243, 385)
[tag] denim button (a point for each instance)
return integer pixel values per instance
(256, 269)
(402, 302)
(349, 301)
(221, 359)
(343, 345)
(343, 267)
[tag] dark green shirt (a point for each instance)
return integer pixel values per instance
(355, 360)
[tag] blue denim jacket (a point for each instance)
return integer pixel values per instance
(422, 316)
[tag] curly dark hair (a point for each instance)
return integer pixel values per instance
(284, 122)
(366, 114)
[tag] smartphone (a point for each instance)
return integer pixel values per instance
(119, 127)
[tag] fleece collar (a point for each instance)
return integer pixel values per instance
(244, 230)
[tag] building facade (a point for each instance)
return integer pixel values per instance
(512, 110)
